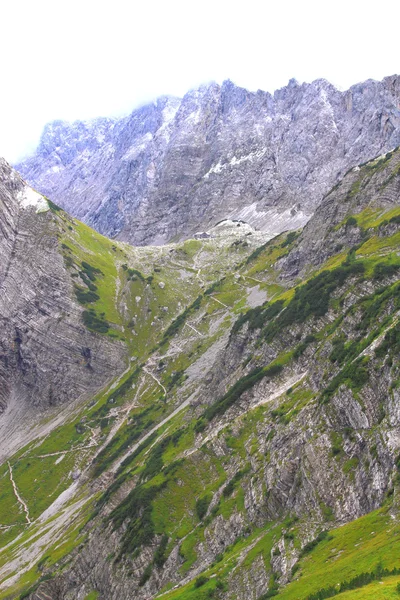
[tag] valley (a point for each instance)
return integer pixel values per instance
(215, 416)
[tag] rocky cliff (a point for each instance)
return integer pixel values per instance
(178, 166)
(48, 357)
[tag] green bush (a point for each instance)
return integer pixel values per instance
(180, 320)
(85, 297)
(289, 239)
(390, 343)
(312, 298)
(355, 374)
(136, 510)
(323, 535)
(91, 271)
(247, 382)
(229, 488)
(200, 425)
(94, 322)
(146, 574)
(134, 273)
(257, 317)
(356, 582)
(351, 222)
(160, 555)
(129, 459)
(202, 505)
(383, 270)
(201, 581)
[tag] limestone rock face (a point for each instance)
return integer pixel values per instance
(375, 185)
(47, 356)
(178, 166)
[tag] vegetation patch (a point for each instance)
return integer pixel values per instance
(358, 581)
(355, 375)
(312, 298)
(136, 511)
(180, 320)
(244, 384)
(95, 322)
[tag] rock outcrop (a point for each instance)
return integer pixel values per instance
(47, 356)
(178, 166)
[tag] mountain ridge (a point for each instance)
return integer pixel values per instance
(178, 166)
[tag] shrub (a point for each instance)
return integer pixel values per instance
(313, 544)
(390, 343)
(229, 488)
(201, 581)
(202, 505)
(312, 298)
(85, 297)
(256, 253)
(180, 319)
(257, 317)
(222, 405)
(90, 271)
(289, 239)
(383, 270)
(351, 222)
(200, 425)
(146, 575)
(94, 322)
(140, 529)
(160, 556)
(354, 374)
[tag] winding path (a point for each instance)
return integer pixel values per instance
(195, 330)
(155, 379)
(18, 497)
(219, 301)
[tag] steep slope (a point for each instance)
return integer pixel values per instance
(48, 357)
(180, 165)
(73, 305)
(252, 449)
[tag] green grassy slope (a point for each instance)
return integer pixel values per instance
(192, 472)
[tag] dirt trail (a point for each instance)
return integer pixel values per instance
(252, 278)
(33, 547)
(184, 404)
(18, 497)
(62, 452)
(155, 379)
(195, 330)
(219, 302)
(265, 400)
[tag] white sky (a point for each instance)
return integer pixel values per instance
(77, 59)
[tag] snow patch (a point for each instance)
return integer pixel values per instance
(28, 197)
(271, 220)
(234, 161)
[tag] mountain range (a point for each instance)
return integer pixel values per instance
(178, 166)
(214, 411)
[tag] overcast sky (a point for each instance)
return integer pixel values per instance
(79, 59)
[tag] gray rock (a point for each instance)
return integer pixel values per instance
(177, 166)
(47, 357)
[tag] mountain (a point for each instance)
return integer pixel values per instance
(48, 358)
(178, 166)
(250, 448)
